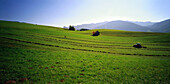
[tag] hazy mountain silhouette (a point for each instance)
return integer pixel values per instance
(163, 26)
(123, 25)
(89, 26)
(119, 25)
(148, 23)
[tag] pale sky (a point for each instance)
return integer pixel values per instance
(74, 12)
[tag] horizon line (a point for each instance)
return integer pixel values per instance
(79, 23)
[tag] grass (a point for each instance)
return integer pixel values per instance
(41, 54)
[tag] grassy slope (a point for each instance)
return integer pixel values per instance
(43, 55)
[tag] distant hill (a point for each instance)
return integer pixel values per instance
(89, 26)
(119, 25)
(163, 26)
(123, 25)
(148, 23)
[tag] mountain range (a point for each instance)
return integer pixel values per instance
(163, 26)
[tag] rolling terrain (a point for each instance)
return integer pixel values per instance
(48, 55)
(162, 26)
(123, 25)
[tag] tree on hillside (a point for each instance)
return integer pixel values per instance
(71, 28)
(83, 29)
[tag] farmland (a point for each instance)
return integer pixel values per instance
(45, 54)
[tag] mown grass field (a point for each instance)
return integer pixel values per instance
(36, 54)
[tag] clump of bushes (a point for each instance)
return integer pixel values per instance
(83, 29)
(97, 33)
(72, 28)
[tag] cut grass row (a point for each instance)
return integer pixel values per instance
(86, 49)
(80, 43)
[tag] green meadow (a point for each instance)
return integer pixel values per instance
(37, 54)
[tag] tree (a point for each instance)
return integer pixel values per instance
(83, 29)
(71, 28)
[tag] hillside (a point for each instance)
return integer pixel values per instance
(90, 26)
(123, 25)
(163, 26)
(119, 25)
(146, 24)
(37, 54)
